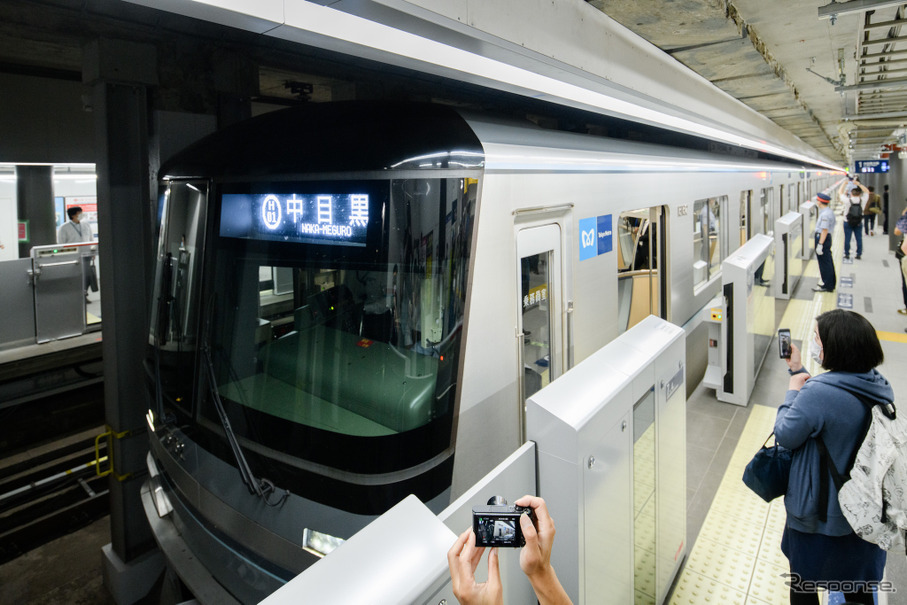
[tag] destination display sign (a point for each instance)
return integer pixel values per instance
(867, 166)
(319, 218)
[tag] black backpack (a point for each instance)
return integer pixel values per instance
(854, 214)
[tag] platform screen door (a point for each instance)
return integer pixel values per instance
(541, 325)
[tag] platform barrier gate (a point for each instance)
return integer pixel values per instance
(608, 449)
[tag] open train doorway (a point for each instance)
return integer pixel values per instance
(641, 279)
(541, 330)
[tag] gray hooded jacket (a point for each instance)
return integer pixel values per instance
(824, 406)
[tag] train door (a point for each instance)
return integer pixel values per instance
(541, 330)
(641, 281)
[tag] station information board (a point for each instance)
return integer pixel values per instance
(320, 218)
(870, 166)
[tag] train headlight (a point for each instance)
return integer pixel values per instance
(319, 544)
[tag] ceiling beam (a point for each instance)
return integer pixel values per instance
(894, 40)
(896, 83)
(885, 24)
(854, 6)
(887, 53)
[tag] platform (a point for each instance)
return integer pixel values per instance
(736, 537)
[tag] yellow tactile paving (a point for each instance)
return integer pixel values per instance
(696, 589)
(722, 563)
(737, 556)
(768, 582)
(892, 336)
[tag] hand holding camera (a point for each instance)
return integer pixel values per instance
(526, 522)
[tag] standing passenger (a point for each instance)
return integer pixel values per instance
(869, 217)
(818, 541)
(854, 200)
(77, 232)
(825, 224)
(885, 211)
(900, 228)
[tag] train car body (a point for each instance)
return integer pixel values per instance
(352, 302)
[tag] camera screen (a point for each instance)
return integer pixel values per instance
(498, 531)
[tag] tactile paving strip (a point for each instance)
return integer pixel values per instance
(695, 589)
(736, 557)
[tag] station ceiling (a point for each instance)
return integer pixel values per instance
(835, 75)
(832, 73)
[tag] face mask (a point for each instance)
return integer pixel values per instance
(815, 351)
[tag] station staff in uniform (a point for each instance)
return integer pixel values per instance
(825, 224)
(74, 231)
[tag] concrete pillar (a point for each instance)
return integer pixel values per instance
(119, 74)
(35, 201)
(897, 198)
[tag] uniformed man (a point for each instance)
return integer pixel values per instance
(825, 224)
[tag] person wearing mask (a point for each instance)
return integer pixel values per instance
(818, 541)
(74, 231)
(825, 225)
(535, 561)
(853, 218)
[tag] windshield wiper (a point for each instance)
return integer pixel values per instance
(263, 488)
(244, 470)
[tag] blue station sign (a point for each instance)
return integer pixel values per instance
(869, 166)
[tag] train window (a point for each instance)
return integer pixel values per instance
(174, 304)
(746, 198)
(342, 339)
(707, 249)
(641, 289)
(766, 210)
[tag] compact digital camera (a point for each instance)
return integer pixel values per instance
(497, 524)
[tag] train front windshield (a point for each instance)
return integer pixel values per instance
(332, 316)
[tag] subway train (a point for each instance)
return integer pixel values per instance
(352, 301)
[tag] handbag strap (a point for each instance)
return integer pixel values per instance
(827, 465)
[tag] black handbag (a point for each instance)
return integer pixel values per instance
(93, 277)
(899, 251)
(769, 470)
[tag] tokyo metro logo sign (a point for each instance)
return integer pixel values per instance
(595, 236)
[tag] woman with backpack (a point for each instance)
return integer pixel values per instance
(826, 410)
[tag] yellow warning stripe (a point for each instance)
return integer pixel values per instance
(892, 336)
(737, 557)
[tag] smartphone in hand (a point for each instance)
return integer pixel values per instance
(784, 349)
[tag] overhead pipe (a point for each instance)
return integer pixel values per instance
(836, 9)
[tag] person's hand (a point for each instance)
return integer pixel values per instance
(462, 560)
(819, 249)
(797, 381)
(535, 557)
(795, 361)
